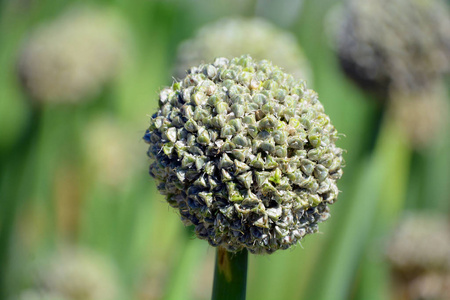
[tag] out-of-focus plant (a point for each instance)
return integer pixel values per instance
(73, 274)
(419, 253)
(248, 156)
(62, 62)
(72, 57)
(231, 37)
(422, 115)
(111, 159)
(399, 49)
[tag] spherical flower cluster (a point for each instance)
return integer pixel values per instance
(399, 49)
(232, 37)
(401, 44)
(74, 274)
(71, 58)
(246, 153)
(421, 115)
(420, 243)
(419, 253)
(107, 150)
(430, 287)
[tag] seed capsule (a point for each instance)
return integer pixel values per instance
(245, 179)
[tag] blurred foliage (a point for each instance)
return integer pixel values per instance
(74, 175)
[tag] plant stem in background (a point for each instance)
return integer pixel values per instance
(189, 261)
(230, 275)
(16, 163)
(386, 171)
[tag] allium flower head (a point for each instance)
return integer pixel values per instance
(422, 115)
(232, 37)
(71, 58)
(76, 274)
(420, 243)
(399, 43)
(108, 154)
(401, 50)
(246, 153)
(430, 287)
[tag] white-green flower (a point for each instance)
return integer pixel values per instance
(74, 274)
(71, 58)
(400, 44)
(232, 37)
(246, 153)
(421, 242)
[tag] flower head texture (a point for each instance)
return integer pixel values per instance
(403, 44)
(232, 37)
(246, 153)
(70, 58)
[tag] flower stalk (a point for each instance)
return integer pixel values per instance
(247, 155)
(15, 165)
(230, 275)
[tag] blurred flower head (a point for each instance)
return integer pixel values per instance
(233, 37)
(420, 243)
(422, 115)
(246, 153)
(430, 287)
(38, 295)
(399, 49)
(109, 152)
(75, 274)
(71, 58)
(400, 44)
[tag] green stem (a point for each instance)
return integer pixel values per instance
(230, 275)
(189, 260)
(377, 199)
(16, 164)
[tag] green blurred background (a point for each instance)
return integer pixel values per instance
(74, 176)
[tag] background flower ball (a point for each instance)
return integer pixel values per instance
(400, 51)
(246, 153)
(73, 273)
(420, 243)
(400, 44)
(232, 37)
(70, 59)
